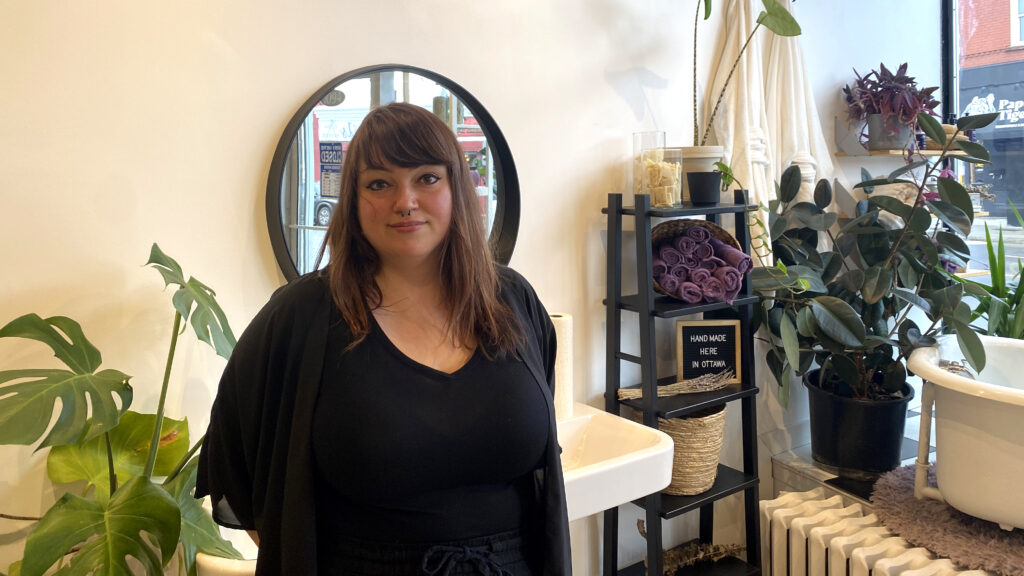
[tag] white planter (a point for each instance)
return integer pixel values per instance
(979, 439)
(699, 159)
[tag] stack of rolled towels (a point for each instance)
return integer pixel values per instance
(696, 267)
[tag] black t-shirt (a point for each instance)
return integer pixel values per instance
(406, 453)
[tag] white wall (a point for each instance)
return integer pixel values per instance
(843, 36)
(124, 123)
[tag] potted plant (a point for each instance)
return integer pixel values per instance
(119, 454)
(701, 157)
(1001, 301)
(841, 298)
(889, 105)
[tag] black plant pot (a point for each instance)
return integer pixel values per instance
(704, 187)
(853, 438)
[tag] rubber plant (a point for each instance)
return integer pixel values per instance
(841, 291)
(139, 476)
(774, 17)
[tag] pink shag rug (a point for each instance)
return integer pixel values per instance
(971, 543)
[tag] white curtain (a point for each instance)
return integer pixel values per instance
(741, 125)
(796, 132)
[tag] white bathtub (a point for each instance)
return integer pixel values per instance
(979, 430)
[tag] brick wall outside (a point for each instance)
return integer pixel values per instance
(985, 33)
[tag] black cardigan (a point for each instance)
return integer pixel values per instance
(257, 455)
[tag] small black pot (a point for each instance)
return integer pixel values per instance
(704, 187)
(853, 438)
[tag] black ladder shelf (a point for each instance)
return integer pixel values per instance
(647, 307)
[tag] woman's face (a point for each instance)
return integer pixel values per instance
(405, 213)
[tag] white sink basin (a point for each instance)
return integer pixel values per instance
(608, 460)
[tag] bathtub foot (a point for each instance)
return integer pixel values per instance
(1006, 527)
(921, 487)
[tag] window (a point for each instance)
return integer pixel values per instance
(1017, 22)
(985, 74)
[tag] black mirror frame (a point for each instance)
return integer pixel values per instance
(505, 227)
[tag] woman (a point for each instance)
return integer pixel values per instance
(393, 414)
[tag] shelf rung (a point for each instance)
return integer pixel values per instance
(729, 481)
(628, 357)
(683, 404)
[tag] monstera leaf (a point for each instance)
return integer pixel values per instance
(106, 534)
(207, 318)
(199, 533)
(129, 443)
(28, 397)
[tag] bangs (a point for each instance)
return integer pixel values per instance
(413, 142)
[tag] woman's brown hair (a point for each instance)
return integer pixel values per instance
(406, 136)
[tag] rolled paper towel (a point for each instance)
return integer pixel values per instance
(563, 366)
(730, 277)
(698, 233)
(700, 275)
(712, 263)
(684, 244)
(669, 255)
(703, 250)
(735, 258)
(682, 273)
(690, 293)
(668, 283)
(658, 266)
(713, 290)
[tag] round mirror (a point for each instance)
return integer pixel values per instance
(305, 175)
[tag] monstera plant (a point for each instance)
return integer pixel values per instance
(137, 510)
(845, 295)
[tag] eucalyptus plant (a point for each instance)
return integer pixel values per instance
(842, 290)
(139, 476)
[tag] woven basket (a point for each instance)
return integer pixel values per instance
(668, 230)
(697, 443)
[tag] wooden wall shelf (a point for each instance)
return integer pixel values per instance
(902, 153)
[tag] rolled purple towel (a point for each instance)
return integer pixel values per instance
(658, 266)
(700, 275)
(712, 263)
(735, 258)
(698, 233)
(668, 283)
(730, 277)
(690, 261)
(713, 290)
(669, 255)
(685, 244)
(730, 295)
(682, 273)
(689, 292)
(703, 250)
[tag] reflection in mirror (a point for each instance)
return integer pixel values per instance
(305, 176)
